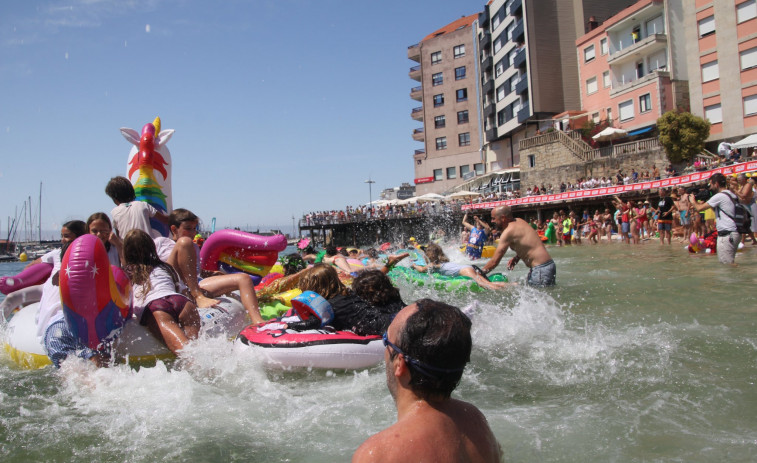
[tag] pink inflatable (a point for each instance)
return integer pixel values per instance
(35, 274)
(253, 254)
(94, 305)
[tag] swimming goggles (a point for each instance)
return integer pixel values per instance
(422, 368)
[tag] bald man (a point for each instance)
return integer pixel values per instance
(518, 235)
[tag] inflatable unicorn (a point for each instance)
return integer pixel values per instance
(148, 156)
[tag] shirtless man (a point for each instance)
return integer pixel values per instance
(684, 210)
(427, 346)
(518, 234)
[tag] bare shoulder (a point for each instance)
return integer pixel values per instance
(379, 447)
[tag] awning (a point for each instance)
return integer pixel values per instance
(640, 131)
(747, 142)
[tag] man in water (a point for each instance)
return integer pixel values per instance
(517, 234)
(427, 346)
(479, 232)
(724, 203)
(666, 207)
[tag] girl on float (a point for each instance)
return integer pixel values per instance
(157, 303)
(437, 261)
(98, 224)
(182, 254)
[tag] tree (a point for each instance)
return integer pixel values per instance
(682, 134)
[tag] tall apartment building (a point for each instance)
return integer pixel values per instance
(722, 64)
(529, 70)
(632, 67)
(449, 112)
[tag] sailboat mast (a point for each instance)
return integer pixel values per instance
(39, 221)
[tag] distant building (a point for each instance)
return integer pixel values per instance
(448, 94)
(404, 191)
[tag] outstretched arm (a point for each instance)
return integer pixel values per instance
(466, 224)
(499, 253)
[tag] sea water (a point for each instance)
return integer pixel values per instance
(640, 353)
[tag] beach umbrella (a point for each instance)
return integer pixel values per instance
(430, 197)
(610, 134)
(463, 194)
(747, 142)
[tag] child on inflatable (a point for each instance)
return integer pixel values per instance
(169, 315)
(130, 213)
(437, 261)
(182, 254)
(98, 224)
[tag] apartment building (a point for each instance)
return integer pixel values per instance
(448, 94)
(632, 68)
(722, 64)
(528, 68)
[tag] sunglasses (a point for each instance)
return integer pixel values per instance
(417, 365)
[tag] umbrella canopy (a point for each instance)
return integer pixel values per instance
(609, 134)
(429, 197)
(747, 142)
(463, 194)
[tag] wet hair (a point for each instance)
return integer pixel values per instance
(100, 216)
(435, 254)
(331, 250)
(719, 180)
(77, 227)
(323, 279)
(141, 258)
(292, 263)
(309, 249)
(179, 216)
(438, 336)
(344, 252)
(120, 190)
(375, 287)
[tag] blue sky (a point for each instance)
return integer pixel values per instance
(279, 107)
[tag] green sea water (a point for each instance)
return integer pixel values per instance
(641, 353)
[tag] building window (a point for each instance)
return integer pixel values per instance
(501, 117)
(479, 168)
(750, 105)
(655, 26)
(439, 122)
(713, 113)
(706, 26)
(437, 79)
(603, 46)
(499, 41)
(595, 118)
(441, 143)
(438, 100)
(606, 79)
(497, 18)
(746, 11)
(645, 103)
(532, 160)
(459, 51)
(591, 86)
(460, 73)
(464, 139)
(625, 110)
(609, 115)
(589, 53)
(462, 94)
(436, 57)
(438, 174)
(465, 172)
(501, 92)
(710, 71)
(451, 172)
(462, 117)
(499, 68)
(748, 58)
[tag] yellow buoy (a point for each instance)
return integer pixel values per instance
(23, 257)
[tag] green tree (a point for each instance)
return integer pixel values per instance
(682, 134)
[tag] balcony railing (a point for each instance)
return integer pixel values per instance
(483, 18)
(488, 86)
(418, 134)
(645, 46)
(522, 85)
(414, 52)
(487, 63)
(416, 93)
(415, 72)
(519, 32)
(486, 40)
(417, 113)
(524, 113)
(619, 88)
(516, 8)
(520, 58)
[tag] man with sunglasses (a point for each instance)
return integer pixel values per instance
(428, 345)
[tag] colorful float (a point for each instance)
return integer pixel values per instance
(234, 251)
(440, 282)
(34, 274)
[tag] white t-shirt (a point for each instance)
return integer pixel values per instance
(161, 285)
(136, 214)
(50, 308)
(722, 204)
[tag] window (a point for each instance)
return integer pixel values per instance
(746, 11)
(655, 26)
(459, 51)
(591, 86)
(438, 175)
(437, 79)
(532, 160)
(750, 105)
(499, 68)
(748, 58)
(645, 103)
(625, 109)
(436, 57)
(606, 79)
(462, 94)
(439, 122)
(465, 171)
(460, 73)
(451, 172)
(497, 18)
(609, 115)
(499, 41)
(501, 117)
(479, 168)
(441, 143)
(464, 140)
(595, 118)
(603, 46)
(462, 117)
(589, 53)
(438, 100)
(710, 71)
(713, 113)
(706, 26)
(501, 92)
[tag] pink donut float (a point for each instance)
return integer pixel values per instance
(95, 301)
(253, 254)
(32, 275)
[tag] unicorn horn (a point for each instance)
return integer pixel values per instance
(156, 124)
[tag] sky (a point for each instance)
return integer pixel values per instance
(279, 107)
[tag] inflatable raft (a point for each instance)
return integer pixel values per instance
(440, 282)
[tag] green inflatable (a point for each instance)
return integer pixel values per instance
(440, 282)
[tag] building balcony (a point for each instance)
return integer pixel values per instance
(486, 41)
(519, 33)
(416, 93)
(520, 58)
(487, 63)
(524, 113)
(522, 85)
(415, 73)
(491, 134)
(618, 88)
(483, 18)
(644, 47)
(418, 135)
(489, 110)
(414, 52)
(516, 8)
(417, 113)
(488, 87)
(419, 154)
